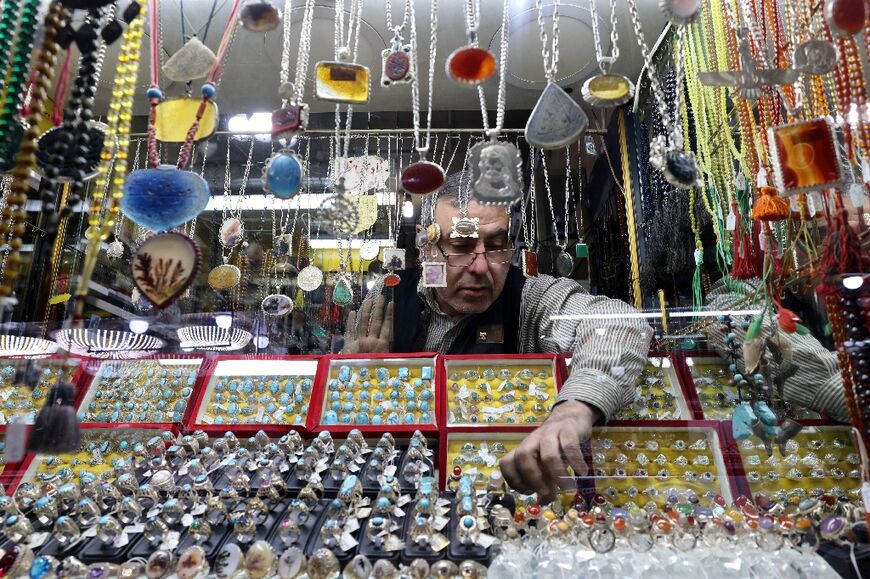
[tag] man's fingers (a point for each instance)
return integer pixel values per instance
(387, 326)
(363, 317)
(377, 318)
(530, 469)
(555, 469)
(509, 469)
(573, 453)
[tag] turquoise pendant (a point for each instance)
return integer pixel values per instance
(282, 175)
(342, 293)
(165, 197)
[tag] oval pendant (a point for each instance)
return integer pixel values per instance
(681, 169)
(309, 279)
(470, 65)
(369, 250)
(607, 90)
(164, 197)
(681, 11)
(277, 305)
(231, 232)
(845, 17)
(464, 227)
(165, 266)
(815, 57)
(564, 263)
(342, 292)
(282, 175)
(422, 178)
(392, 279)
(260, 17)
(224, 277)
(496, 173)
(115, 250)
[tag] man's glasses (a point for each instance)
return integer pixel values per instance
(493, 256)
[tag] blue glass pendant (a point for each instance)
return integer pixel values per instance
(282, 175)
(164, 197)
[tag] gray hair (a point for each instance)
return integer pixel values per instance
(453, 191)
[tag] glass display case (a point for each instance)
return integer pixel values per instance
(25, 383)
(658, 395)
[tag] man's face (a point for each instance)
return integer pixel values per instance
(472, 289)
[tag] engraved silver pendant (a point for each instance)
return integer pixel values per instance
(815, 57)
(564, 263)
(556, 121)
(369, 250)
(309, 279)
(496, 173)
(464, 227)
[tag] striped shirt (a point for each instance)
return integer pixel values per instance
(609, 349)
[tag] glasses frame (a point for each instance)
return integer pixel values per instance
(474, 254)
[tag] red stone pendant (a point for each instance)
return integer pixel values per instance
(392, 280)
(422, 178)
(471, 65)
(289, 120)
(530, 263)
(396, 65)
(845, 17)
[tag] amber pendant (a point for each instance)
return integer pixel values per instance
(530, 263)
(434, 274)
(845, 17)
(175, 116)
(564, 263)
(288, 121)
(464, 227)
(607, 90)
(422, 178)
(556, 121)
(342, 82)
(396, 64)
(471, 65)
(804, 156)
(496, 173)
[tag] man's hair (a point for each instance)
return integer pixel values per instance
(449, 192)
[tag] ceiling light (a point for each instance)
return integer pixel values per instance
(223, 321)
(213, 338)
(138, 326)
(408, 209)
(853, 282)
(107, 343)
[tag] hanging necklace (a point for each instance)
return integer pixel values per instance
(607, 89)
(470, 64)
(464, 226)
(342, 80)
(396, 67)
(529, 259)
(276, 305)
(282, 173)
(556, 120)
(423, 177)
(164, 196)
(310, 277)
(564, 261)
(496, 166)
(232, 228)
(680, 168)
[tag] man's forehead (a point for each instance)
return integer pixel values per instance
(491, 216)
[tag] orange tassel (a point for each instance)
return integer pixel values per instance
(770, 206)
(788, 320)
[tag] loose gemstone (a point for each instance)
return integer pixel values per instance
(471, 65)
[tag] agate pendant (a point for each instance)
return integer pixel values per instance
(224, 277)
(422, 178)
(846, 17)
(464, 227)
(231, 232)
(607, 90)
(529, 263)
(342, 82)
(277, 305)
(282, 175)
(165, 266)
(470, 65)
(396, 64)
(804, 156)
(556, 121)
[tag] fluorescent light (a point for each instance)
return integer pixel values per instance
(238, 123)
(259, 202)
(355, 244)
(853, 282)
(260, 124)
(138, 326)
(407, 209)
(714, 313)
(223, 321)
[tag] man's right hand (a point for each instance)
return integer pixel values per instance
(375, 331)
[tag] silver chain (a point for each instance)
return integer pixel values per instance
(551, 53)
(605, 62)
(550, 203)
(423, 148)
(388, 8)
(284, 74)
(502, 69)
(530, 202)
(303, 53)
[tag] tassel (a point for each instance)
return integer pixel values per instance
(788, 320)
(754, 329)
(770, 206)
(56, 429)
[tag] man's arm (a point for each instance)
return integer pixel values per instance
(610, 344)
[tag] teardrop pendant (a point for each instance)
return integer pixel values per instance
(342, 293)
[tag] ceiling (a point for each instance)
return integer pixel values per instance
(250, 77)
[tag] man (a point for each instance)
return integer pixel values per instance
(489, 307)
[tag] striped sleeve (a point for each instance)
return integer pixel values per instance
(610, 341)
(817, 385)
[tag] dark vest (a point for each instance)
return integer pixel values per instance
(411, 318)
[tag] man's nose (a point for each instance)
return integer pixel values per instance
(479, 266)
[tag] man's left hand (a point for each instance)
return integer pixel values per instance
(540, 463)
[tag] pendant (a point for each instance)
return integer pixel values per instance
(277, 305)
(343, 212)
(165, 266)
(422, 178)
(815, 57)
(530, 263)
(309, 279)
(288, 121)
(394, 259)
(581, 250)
(396, 64)
(191, 61)
(173, 119)
(224, 277)
(115, 250)
(282, 175)
(470, 65)
(607, 90)
(433, 233)
(496, 173)
(392, 279)
(681, 12)
(342, 82)
(556, 121)
(369, 250)
(260, 16)
(342, 292)
(231, 232)
(164, 197)
(564, 263)
(434, 274)
(70, 166)
(804, 156)
(464, 227)
(679, 168)
(845, 17)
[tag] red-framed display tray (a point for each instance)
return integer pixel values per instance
(26, 469)
(81, 378)
(226, 365)
(318, 400)
(445, 361)
(94, 382)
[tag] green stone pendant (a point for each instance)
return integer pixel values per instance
(581, 250)
(342, 294)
